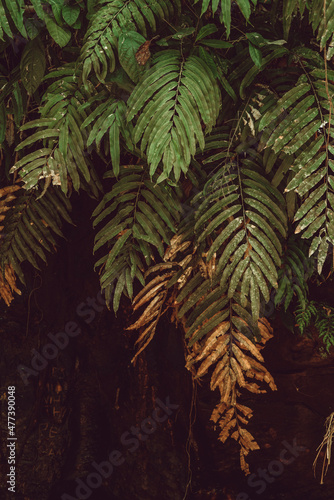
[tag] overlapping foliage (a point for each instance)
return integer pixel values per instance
(321, 316)
(206, 128)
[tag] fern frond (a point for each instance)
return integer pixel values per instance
(294, 274)
(29, 227)
(167, 279)
(227, 329)
(107, 121)
(324, 323)
(302, 132)
(109, 24)
(8, 284)
(174, 97)
(61, 155)
(304, 313)
(7, 274)
(155, 292)
(245, 7)
(230, 374)
(139, 220)
(12, 11)
(220, 332)
(324, 24)
(321, 315)
(13, 105)
(243, 216)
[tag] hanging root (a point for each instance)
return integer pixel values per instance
(327, 441)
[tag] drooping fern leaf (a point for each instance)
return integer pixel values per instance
(173, 99)
(324, 323)
(155, 292)
(111, 20)
(236, 359)
(244, 217)
(321, 315)
(302, 132)
(13, 105)
(107, 120)
(28, 228)
(219, 330)
(61, 153)
(12, 11)
(139, 218)
(324, 24)
(7, 274)
(294, 274)
(225, 10)
(8, 284)
(304, 313)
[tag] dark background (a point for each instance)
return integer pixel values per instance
(76, 410)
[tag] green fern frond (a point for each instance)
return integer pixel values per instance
(139, 219)
(107, 121)
(297, 102)
(302, 132)
(244, 217)
(324, 323)
(304, 313)
(61, 155)
(114, 19)
(321, 315)
(29, 227)
(12, 11)
(245, 7)
(16, 18)
(173, 99)
(296, 270)
(324, 24)
(13, 105)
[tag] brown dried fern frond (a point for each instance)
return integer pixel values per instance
(219, 332)
(7, 274)
(8, 284)
(235, 359)
(154, 294)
